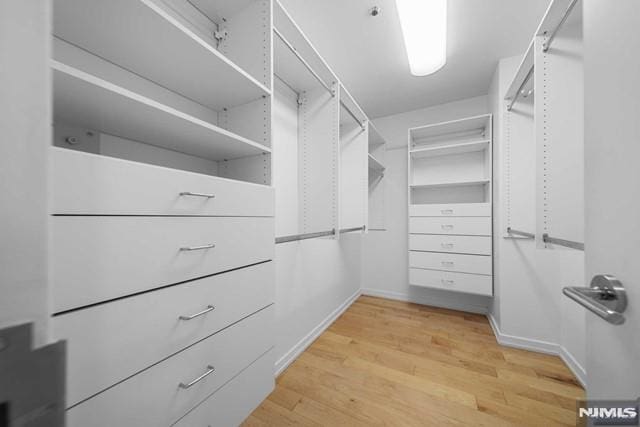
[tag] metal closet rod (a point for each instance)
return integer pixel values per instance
(547, 44)
(520, 233)
(352, 115)
(305, 236)
(519, 91)
(562, 242)
(303, 61)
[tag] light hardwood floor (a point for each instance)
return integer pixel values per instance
(391, 363)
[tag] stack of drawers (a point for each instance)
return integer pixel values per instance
(450, 247)
(164, 290)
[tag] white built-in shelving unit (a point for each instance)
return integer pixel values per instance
(450, 212)
(377, 153)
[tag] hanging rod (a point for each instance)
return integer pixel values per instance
(352, 115)
(521, 233)
(519, 91)
(349, 230)
(305, 236)
(562, 242)
(547, 44)
(304, 62)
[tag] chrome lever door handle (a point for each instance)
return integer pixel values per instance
(605, 297)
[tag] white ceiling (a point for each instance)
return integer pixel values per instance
(368, 52)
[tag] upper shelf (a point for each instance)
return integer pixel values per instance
(157, 44)
(375, 165)
(470, 129)
(375, 137)
(523, 75)
(450, 184)
(444, 150)
(89, 102)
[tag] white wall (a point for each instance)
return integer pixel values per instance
(529, 309)
(25, 121)
(385, 265)
(316, 278)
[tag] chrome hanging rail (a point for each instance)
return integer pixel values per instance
(520, 233)
(305, 236)
(547, 44)
(562, 242)
(304, 62)
(352, 115)
(349, 230)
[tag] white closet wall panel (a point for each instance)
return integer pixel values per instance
(560, 135)
(285, 159)
(353, 175)
(318, 150)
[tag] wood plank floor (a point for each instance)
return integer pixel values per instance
(391, 363)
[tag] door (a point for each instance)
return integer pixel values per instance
(612, 189)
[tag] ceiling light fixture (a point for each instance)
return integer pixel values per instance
(424, 26)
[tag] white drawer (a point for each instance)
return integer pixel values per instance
(98, 185)
(97, 258)
(479, 245)
(451, 209)
(110, 342)
(154, 397)
(476, 264)
(472, 226)
(237, 399)
(458, 282)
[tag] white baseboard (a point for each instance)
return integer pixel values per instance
(479, 309)
(540, 347)
(305, 342)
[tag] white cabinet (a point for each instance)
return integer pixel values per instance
(450, 205)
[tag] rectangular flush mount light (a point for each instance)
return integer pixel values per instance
(424, 26)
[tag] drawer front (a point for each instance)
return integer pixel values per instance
(478, 245)
(100, 258)
(476, 264)
(155, 398)
(457, 282)
(107, 336)
(472, 226)
(98, 185)
(236, 400)
(455, 209)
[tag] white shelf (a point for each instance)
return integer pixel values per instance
(526, 65)
(450, 184)
(375, 165)
(89, 102)
(443, 150)
(375, 138)
(472, 128)
(146, 39)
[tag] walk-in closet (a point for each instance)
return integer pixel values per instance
(319, 213)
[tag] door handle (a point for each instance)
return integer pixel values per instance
(604, 297)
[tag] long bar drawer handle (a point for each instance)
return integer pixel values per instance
(449, 263)
(447, 245)
(447, 282)
(446, 211)
(210, 370)
(197, 248)
(447, 226)
(205, 195)
(193, 316)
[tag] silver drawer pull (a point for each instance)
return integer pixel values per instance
(447, 226)
(446, 211)
(205, 195)
(447, 245)
(210, 370)
(447, 263)
(198, 248)
(447, 282)
(193, 316)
